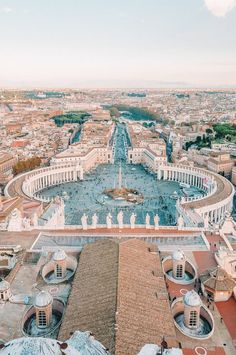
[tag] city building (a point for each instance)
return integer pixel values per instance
(7, 162)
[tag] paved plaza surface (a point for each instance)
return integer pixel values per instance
(87, 196)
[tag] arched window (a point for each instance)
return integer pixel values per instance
(42, 320)
(58, 271)
(179, 271)
(193, 318)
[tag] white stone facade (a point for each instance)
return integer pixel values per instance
(226, 259)
(219, 193)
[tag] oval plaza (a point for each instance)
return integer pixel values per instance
(201, 198)
(112, 226)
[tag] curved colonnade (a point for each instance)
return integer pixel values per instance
(194, 210)
(213, 206)
(30, 183)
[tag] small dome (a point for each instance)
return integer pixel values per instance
(59, 255)
(178, 255)
(43, 299)
(37, 346)
(150, 349)
(4, 285)
(85, 343)
(192, 299)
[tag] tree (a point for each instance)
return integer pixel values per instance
(114, 112)
(209, 131)
(25, 165)
(198, 139)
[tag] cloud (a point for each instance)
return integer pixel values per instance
(220, 8)
(6, 10)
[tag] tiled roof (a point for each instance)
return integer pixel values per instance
(143, 311)
(92, 301)
(218, 280)
(120, 295)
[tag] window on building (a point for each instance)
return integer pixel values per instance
(179, 271)
(1, 296)
(58, 271)
(42, 319)
(193, 318)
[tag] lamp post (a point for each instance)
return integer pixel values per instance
(164, 345)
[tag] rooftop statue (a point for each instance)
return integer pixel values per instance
(132, 220)
(109, 220)
(180, 222)
(120, 219)
(84, 222)
(94, 221)
(156, 221)
(147, 221)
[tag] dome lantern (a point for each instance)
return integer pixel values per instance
(43, 308)
(5, 290)
(192, 306)
(179, 262)
(60, 263)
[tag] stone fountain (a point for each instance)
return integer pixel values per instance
(122, 193)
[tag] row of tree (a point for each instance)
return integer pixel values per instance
(138, 114)
(71, 117)
(26, 165)
(200, 142)
(223, 131)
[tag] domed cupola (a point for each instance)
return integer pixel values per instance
(192, 317)
(44, 316)
(192, 305)
(5, 290)
(43, 307)
(60, 258)
(179, 262)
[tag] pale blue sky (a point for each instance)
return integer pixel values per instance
(109, 43)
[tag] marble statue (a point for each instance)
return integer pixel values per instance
(109, 220)
(206, 222)
(156, 221)
(15, 221)
(120, 219)
(147, 221)
(94, 221)
(84, 222)
(132, 220)
(180, 222)
(228, 226)
(26, 223)
(57, 199)
(35, 220)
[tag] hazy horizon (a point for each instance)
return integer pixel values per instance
(126, 44)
